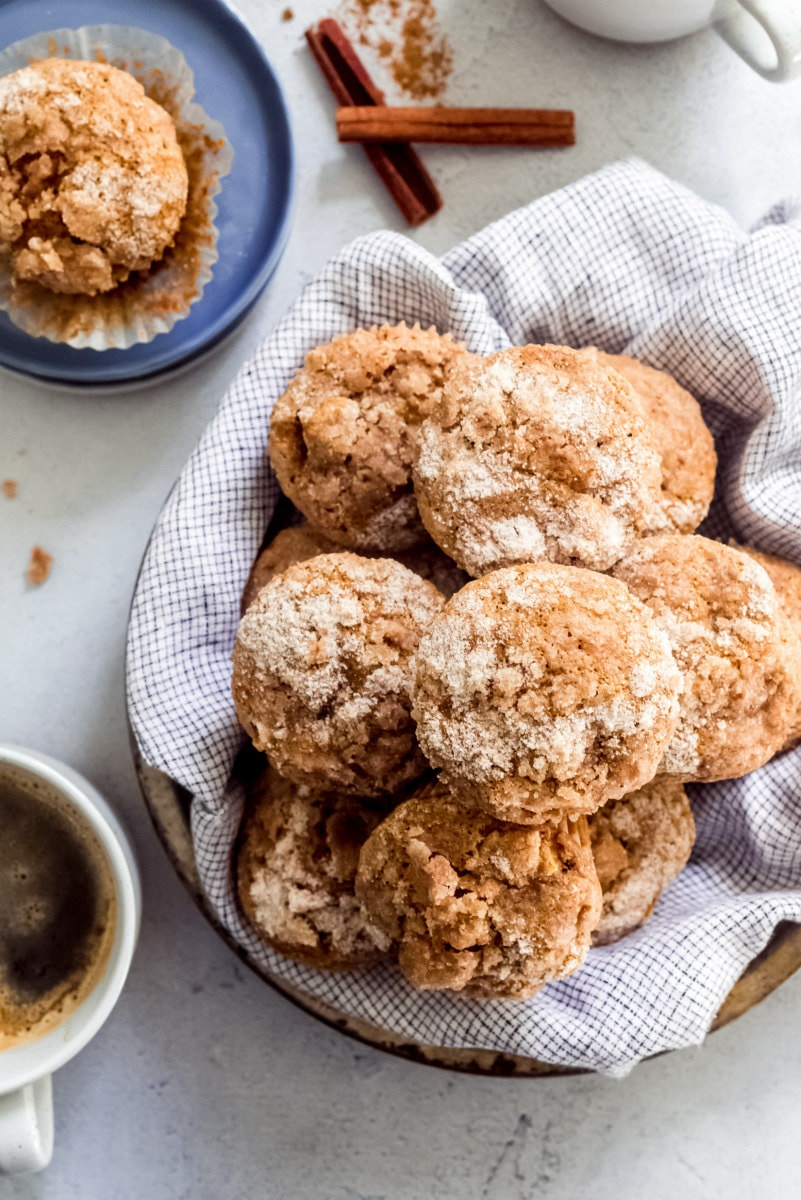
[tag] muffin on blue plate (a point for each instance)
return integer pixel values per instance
(106, 219)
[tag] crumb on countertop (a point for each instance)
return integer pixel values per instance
(287, 14)
(9, 489)
(39, 565)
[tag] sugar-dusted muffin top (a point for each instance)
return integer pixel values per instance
(344, 433)
(739, 659)
(542, 689)
(682, 440)
(536, 453)
(93, 184)
(786, 578)
(322, 672)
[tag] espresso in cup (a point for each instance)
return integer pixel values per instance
(57, 907)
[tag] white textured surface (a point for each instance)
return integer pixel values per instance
(204, 1083)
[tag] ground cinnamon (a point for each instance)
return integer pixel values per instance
(407, 37)
(39, 566)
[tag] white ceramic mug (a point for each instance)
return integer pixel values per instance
(766, 33)
(26, 1097)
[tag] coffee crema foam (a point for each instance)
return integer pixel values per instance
(58, 909)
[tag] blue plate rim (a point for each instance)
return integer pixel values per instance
(239, 308)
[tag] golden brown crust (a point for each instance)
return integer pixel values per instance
(296, 868)
(322, 672)
(93, 184)
(297, 543)
(741, 665)
(640, 844)
(786, 578)
(301, 542)
(535, 453)
(473, 904)
(344, 433)
(544, 689)
(682, 440)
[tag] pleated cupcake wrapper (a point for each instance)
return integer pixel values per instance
(139, 311)
(623, 259)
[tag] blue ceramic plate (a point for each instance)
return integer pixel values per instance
(236, 85)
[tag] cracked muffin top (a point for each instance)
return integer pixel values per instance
(296, 868)
(640, 843)
(322, 672)
(536, 453)
(344, 433)
(473, 904)
(542, 689)
(93, 184)
(740, 660)
(682, 440)
(786, 578)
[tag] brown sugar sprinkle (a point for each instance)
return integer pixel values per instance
(407, 38)
(39, 566)
(9, 489)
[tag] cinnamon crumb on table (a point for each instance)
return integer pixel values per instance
(39, 566)
(9, 489)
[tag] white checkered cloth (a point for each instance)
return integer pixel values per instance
(625, 260)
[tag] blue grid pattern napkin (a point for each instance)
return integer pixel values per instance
(623, 259)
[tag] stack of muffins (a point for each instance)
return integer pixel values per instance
(484, 666)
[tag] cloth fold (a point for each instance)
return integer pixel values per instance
(623, 259)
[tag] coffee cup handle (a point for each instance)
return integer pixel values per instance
(26, 1128)
(777, 55)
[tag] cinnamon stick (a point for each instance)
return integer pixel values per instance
(398, 164)
(460, 126)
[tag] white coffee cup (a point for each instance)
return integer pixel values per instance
(766, 33)
(26, 1096)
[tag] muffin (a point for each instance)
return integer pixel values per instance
(536, 453)
(344, 433)
(476, 905)
(542, 689)
(739, 660)
(296, 868)
(323, 672)
(93, 184)
(786, 578)
(295, 544)
(640, 844)
(682, 441)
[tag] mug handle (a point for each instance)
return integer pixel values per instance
(26, 1128)
(780, 21)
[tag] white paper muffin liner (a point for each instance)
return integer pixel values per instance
(150, 303)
